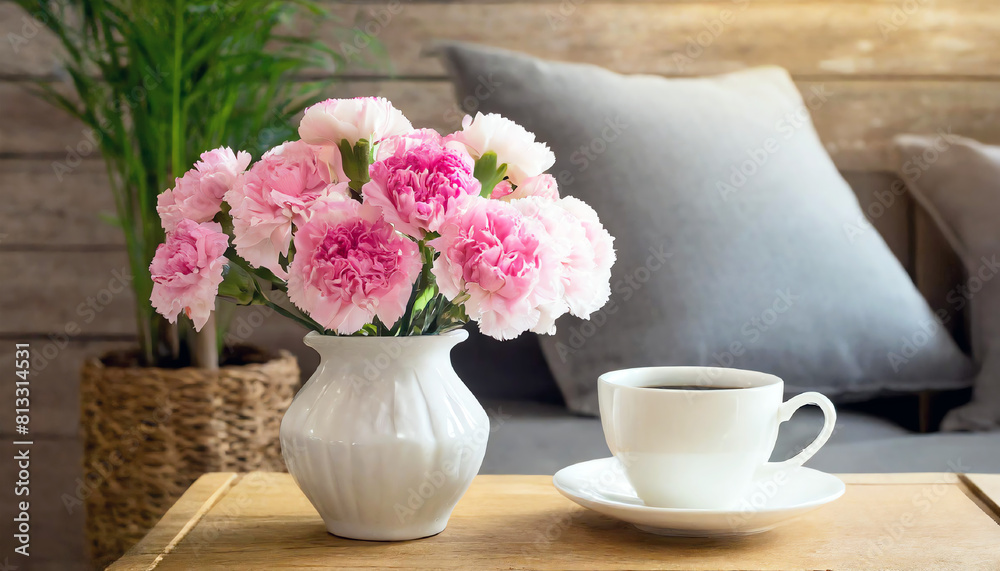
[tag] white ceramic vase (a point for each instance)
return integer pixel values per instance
(384, 438)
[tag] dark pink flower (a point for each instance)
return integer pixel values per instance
(420, 184)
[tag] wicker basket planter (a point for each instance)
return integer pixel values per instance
(150, 432)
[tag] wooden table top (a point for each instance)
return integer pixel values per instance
(884, 521)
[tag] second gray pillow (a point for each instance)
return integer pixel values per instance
(957, 180)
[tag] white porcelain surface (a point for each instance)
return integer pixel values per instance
(601, 485)
(384, 438)
(699, 448)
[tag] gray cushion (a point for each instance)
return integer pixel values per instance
(958, 182)
(940, 452)
(528, 438)
(512, 370)
(716, 266)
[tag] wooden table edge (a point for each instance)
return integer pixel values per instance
(984, 489)
(179, 520)
(209, 489)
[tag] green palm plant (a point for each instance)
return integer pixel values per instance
(158, 82)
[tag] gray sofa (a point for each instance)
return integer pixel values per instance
(534, 433)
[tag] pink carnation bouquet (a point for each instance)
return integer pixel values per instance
(367, 226)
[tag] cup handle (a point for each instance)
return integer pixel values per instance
(785, 412)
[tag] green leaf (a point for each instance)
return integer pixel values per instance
(488, 173)
(368, 330)
(237, 285)
(427, 295)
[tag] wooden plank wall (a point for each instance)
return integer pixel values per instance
(887, 66)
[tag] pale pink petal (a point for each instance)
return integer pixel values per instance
(503, 261)
(187, 270)
(276, 193)
(514, 145)
(198, 194)
(334, 120)
(542, 186)
(602, 242)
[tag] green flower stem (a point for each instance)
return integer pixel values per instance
(236, 288)
(419, 295)
(304, 321)
(262, 273)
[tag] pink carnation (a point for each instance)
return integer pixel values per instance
(502, 191)
(584, 286)
(419, 185)
(351, 266)
(187, 271)
(276, 193)
(198, 194)
(543, 186)
(513, 144)
(334, 120)
(604, 252)
(406, 141)
(499, 258)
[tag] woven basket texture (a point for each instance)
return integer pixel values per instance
(150, 432)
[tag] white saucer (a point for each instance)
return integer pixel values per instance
(601, 485)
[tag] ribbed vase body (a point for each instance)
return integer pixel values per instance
(384, 438)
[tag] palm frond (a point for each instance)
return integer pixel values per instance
(159, 82)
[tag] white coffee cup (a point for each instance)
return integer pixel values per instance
(702, 447)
